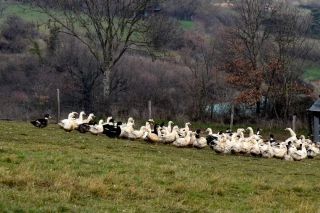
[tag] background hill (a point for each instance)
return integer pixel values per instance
(201, 21)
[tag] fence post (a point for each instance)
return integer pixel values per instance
(149, 107)
(316, 129)
(232, 115)
(58, 105)
(294, 119)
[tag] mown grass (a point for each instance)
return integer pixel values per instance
(50, 170)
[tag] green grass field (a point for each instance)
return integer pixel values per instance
(50, 170)
(26, 12)
(187, 24)
(31, 14)
(313, 73)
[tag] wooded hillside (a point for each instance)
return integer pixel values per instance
(184, 56)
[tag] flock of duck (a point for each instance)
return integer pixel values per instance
(293, 148)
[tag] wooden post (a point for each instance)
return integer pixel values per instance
(316, 129)
(294, 119)
(149, 107)
(58, 105)
(232, 116)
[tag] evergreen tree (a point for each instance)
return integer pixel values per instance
(315, 26)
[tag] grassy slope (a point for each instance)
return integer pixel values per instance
(25, 12)
(50, 170)
(313, 73)
(30, 14)
(187, 24)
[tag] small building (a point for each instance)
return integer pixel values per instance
(152, 9)
(314, 115)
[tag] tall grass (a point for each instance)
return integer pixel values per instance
(51, 170)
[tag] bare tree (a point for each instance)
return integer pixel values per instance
(108, 28)
(286, 56)
(251, 30)
(202, 87)
(165, 32)
(81, 72)
(18, 33)
(264, 53)
(3, 7)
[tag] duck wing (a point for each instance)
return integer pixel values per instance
(111, 131)
(83, 128)
(35, 123)
(211, 138)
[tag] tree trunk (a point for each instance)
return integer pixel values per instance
(106, 84)
(258, 104)
(87, 101)
(286, 102)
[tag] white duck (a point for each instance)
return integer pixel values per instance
(228, 144)
(109, 121)
(79, 120)
(287, 156)
(183, 131)
(126, 130)
(89, 118)
(97, 129)
(292, 148)
(67, 124)
(169, 127)
(303, 139)
(251, 133)
(219, 145)
(312, 151)
(269, 152)
(193, 138)
(237, 142)
(211, 137)
(171, 137)
(130, 120)
(245, 145)
(299, 154)
(148, 127)
(200, 142)
(183, 142)
(280, 150)
(236, 147)
(153, 137)
(137, 134)
(293, 137)
(255, 148)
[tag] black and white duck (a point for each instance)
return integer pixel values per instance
(41, 122)
(112, 131)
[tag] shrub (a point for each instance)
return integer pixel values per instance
(17, 33)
